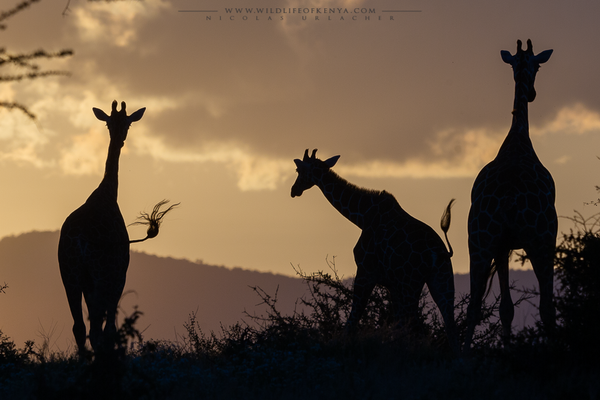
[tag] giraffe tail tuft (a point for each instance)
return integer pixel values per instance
(445, 225)
(153, 220)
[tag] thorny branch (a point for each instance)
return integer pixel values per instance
(25, 60)
(4, 15)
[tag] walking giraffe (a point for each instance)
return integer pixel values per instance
(512, 207)
(394, 250)
(93, 250)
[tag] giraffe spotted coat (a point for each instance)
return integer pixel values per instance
(93, 250)
(512, 207)
(394, 250)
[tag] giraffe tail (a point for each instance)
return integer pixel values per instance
(493, 271)
(445, 225)
(490, 278)
(153, 220)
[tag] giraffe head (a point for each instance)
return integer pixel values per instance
(310, 170)
(526, 65)
(118, 122)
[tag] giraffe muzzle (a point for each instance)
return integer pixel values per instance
(296, 192)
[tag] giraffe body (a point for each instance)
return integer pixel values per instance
(93, 250)
(394, 250)
(512, 207)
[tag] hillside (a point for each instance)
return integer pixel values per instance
(166, 290)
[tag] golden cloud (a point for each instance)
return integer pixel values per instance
(98, 20)
(574, 120)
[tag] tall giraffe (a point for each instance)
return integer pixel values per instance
(394, 250)
(512, 207)
(93, 250)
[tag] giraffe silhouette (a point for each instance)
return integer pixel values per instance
(512, 207)
(394, 250)
(93, 250)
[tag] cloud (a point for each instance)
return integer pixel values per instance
(21, 139)
(258, 174)
(98, 21)
(453, 154)
(575, 119)
(85, 155)
(471, 150)
(462, 153)
(293, 26)
(254, 172)
(449, 153)
(251, 96)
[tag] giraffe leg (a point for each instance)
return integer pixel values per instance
(96, 319)
(363, 287)
(363, 283)
(441, 288)
(480, 268)
(407, 304)
(542, 263)
(405, 292)
(110, 327)
(507, 308)
(74, 297)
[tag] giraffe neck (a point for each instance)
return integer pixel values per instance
(350, 200)
(520, 121)
(518, 136)
(110, 182)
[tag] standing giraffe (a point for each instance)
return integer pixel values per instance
(512, 207)
(93, 251)
(394, 250)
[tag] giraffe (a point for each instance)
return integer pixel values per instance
(395, 250)
(512, 207)
(93, 250)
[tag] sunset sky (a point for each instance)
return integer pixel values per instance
(415, 99)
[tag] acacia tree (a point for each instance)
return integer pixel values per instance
(22, 66)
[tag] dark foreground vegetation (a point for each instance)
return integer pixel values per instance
(307, 355)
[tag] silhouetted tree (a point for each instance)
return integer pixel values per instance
(24, 65)
(578, 278)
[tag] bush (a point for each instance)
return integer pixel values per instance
(10, 354)
(578, 289)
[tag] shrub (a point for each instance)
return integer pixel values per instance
(578, 288)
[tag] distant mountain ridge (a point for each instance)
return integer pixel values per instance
(166, 290)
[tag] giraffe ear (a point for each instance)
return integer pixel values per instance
(543, 56)
(506, 56)
(330, 162)
(136, 116)
(101, 115)
(300, 163)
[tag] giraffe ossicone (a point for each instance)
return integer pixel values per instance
(512, 207)
(395, 250)
(93, 250)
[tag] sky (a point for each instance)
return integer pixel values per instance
(414, 97)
